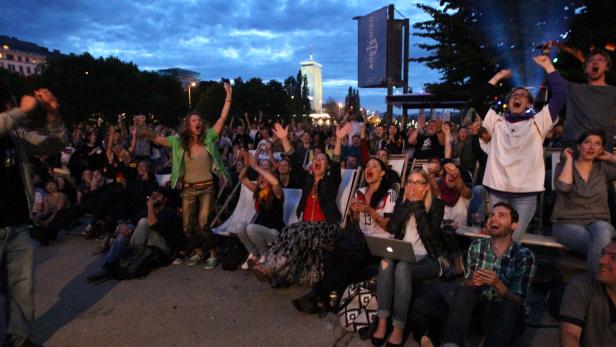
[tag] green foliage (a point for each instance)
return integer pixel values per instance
(472, 40)
(351, 101)
(107, 87)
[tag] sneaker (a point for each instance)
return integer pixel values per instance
(262, 260)
(211, 263)
(194, 260)
(178, 261)
(246, 265)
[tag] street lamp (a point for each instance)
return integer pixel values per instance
(192, 84)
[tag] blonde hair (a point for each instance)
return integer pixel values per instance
(428, 198)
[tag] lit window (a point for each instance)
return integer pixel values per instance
(5, 46)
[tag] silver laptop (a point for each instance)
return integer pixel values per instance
(390, 248)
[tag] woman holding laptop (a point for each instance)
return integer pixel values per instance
(416, 219)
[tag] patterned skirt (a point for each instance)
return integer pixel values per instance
(297, 255)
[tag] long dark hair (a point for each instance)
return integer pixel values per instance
(185, 131)
(384, 186)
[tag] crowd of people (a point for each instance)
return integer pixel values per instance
(493, 166)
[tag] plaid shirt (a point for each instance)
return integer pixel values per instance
(515, 268)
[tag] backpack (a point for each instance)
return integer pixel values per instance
(358, 306)
(138, 263)
(233, 253)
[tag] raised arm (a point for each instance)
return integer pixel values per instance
(282, 134)
(341, 132)
(565, 177)
(133, 140)
(556, 83)
(447, 133)
(413, 134)
(109, 149)
(271, 179)
(225, 110)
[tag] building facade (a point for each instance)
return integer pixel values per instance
(312, 70)
(24, 58)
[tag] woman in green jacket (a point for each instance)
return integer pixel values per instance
(194, 158)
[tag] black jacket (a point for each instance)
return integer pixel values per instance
(327, 189)
(428, 223)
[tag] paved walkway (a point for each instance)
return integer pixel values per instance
(180, 306)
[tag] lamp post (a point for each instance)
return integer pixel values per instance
(192, 84)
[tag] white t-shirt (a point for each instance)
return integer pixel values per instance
(412, 235)
(515, 161)
(386, 206)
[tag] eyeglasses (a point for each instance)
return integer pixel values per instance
(519, 95)
(416, 182)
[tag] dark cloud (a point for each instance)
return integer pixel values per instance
(254, 38)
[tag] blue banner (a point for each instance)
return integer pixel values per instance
(372, 50)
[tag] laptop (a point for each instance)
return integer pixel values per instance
(390, 248)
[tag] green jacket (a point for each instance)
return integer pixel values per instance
(177, 155)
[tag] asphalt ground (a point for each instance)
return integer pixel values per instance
(187, 306)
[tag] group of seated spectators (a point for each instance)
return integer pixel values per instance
(493, 166)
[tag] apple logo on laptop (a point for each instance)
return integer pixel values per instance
(390, 250)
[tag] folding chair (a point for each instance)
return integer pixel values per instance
(348, 185)
(244, 211)
(292, 197)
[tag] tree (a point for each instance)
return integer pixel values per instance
(351, 101)
(471, 40)
(107, 87)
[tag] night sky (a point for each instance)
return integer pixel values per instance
(230, 38)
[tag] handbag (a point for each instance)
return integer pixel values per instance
(358, 306)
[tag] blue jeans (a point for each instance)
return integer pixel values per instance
(394, 285)
(589, 239)
(477, 204)
(524, 204)
(119, 248)
(17, 259)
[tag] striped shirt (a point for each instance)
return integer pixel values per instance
(515, 268)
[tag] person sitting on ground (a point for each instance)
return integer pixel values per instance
(587, 310)
(53, 218)
(160, 228)
(581, 213)
(296, 254)
(269, 201)
(497, 281)
(416, 219)
(515, 171)
(372, 206)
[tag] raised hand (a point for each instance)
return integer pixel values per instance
(341, 132)
(421, 119)
(545, 62)
(452, 170)
(44, 96)
(606, 156)
(228, 89)
(27, 104)
(446, 129)
(568, 154)
(280, 132)
(499, 76)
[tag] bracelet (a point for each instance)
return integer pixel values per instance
(229, 100)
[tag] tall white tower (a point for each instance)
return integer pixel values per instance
(312, 70)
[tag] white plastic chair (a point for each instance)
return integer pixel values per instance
(163, 179)
(348, 184)
(292, 197)
(244, 212)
